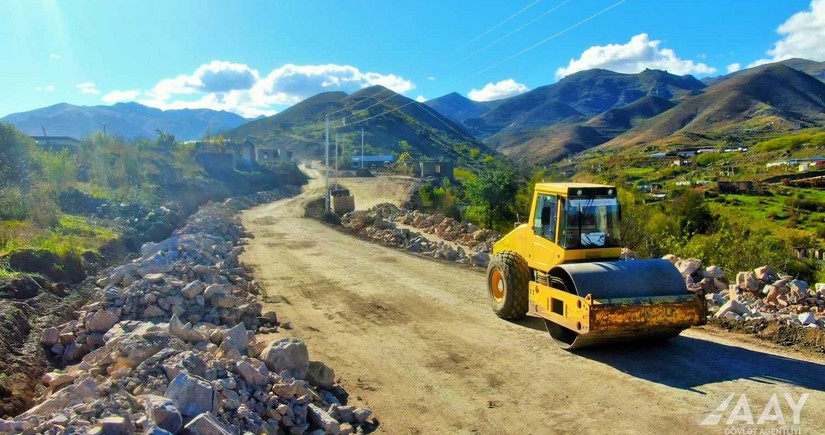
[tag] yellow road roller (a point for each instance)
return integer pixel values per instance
(565, 267)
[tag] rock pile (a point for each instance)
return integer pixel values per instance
(381, 223)
(170, 346)
(759, 295)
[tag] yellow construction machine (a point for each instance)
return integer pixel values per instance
(564, 266)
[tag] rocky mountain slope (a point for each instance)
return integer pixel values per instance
(775, 99)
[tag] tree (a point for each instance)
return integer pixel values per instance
(15, 155)
(691, 213)
(165, 140)
(490, 196)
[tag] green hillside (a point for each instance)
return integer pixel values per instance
(391, 123)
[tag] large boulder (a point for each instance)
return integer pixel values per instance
(320, 375)
(289, 356)
(162, 412)
(190, 394)
(157, 263)
(237, 337)
(205, 424)
(101, 321)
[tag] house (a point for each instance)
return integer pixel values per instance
(813, 165)
(57, 143)
(436, 169)
(244, 155)
(681, 162)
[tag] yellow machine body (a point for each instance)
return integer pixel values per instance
(586, 294)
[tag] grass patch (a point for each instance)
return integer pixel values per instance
(73, 234)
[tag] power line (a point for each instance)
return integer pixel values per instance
(370, 107)
(359, 102)
(498, 25)
(546, 40)
(381, 114)
(517, 30)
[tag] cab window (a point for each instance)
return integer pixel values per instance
(546, 214)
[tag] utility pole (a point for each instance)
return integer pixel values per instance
(362, 147)
(326, 169)
(336, 159)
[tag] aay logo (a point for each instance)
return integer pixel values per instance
(741, 412)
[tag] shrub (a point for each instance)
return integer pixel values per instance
(13, 204)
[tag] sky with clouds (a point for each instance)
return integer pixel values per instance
(259, 57)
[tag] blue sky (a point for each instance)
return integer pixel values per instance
(259, 57)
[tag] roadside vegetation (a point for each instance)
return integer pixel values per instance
(74, 202)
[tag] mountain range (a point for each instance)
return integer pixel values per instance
(130, 120)
(391, 123)
(596, 107)
(584, 110)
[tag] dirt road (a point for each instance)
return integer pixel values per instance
(415, 340)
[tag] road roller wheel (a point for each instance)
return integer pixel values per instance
(565, 338)
(508, 280)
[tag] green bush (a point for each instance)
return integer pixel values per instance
(706, 159)
(13, 204)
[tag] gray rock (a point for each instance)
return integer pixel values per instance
(154, 277)
(732, 307)
(361, 415)
(688, 266)
(184, 331)
(101, 321)
(289, 355)
(205, 424)
(190, 394)
(157, 263)
(251, 375)
(480, 259)
(50, 337)
(762, 273)
(162, 412)
(153, 311)
(320, 375)
(117, 425)
(193, 289)
(807, 318)
(320, 418)
(237, 337)
(713, 272)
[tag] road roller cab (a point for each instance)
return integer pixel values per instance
(564, 266)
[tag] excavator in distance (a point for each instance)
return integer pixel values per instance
(564, 266)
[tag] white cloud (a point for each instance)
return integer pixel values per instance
(431, 78)
(702, 56)
(495, 91)
(221, 85)
(120, 96)
(47, 88)
(87, 88)
(803, 35)
(638, 54)
(732, 68)
(420, 99)
(55, 56)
